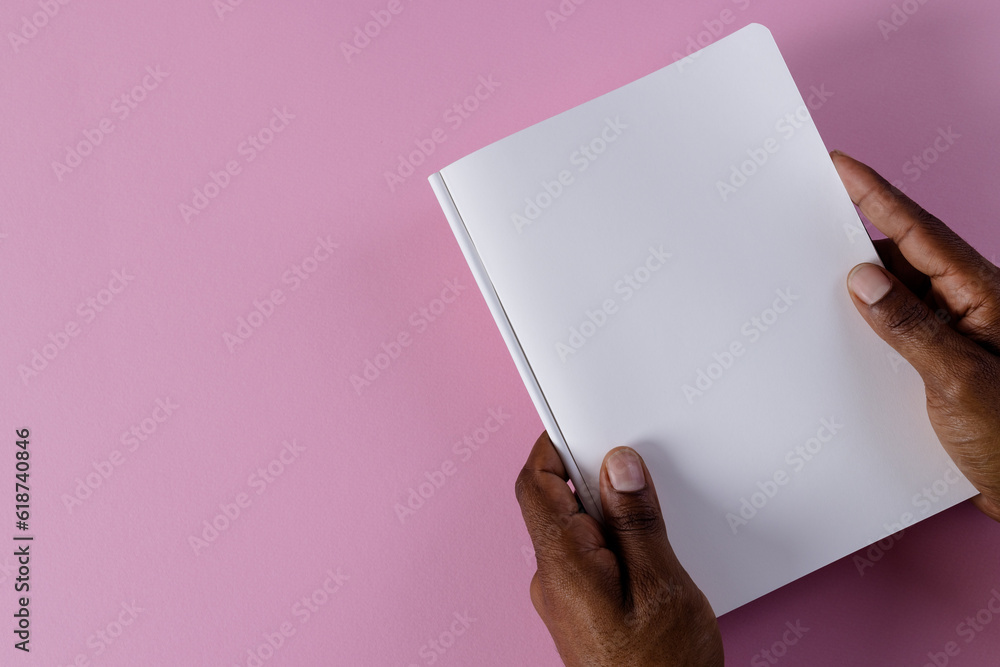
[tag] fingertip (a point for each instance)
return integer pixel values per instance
(625, 470)
(869, 283)
(858, 178)
(842, 160)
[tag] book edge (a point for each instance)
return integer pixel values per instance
(588, 498)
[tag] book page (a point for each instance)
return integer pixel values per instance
(672, 259)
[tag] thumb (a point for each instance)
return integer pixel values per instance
(634, 523)
(905, 322)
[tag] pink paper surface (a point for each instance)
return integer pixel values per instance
(122, 311)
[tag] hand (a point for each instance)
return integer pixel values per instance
(939, 307)
(613, 595)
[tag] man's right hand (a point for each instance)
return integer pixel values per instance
(938, 305)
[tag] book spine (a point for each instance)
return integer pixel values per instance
(590, 498)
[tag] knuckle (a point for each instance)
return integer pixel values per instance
(982, 283)
(638, 519)
(960, 381)
(928, 220)
(908, 318)
(658, 595)
(685, 603)
(978, 376)
(524, 485)
(527, 491)
(880, 198)
(536, 593)
(670, 603)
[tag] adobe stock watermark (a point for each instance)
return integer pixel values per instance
(915, 168)
(302, 610)
(263, 309)
(855, 230)
(136, 436)
(364, 34)
(259, 481)
(563, 11)
(420, 320)
(528, 553)
(796, 459)
(122, 108)
(713, 30)
(920, 163)
(985, 278)
(223, 7)
(757, 157)
(751, 331)
(249, 150)
(923, 502)
(31, 24)
(464, 449)
(967, 630)
(581, 158)
(898, 17)
(88, 310)
(876, 552)
(107, 635)
(664, 592)
(667, 592)
(773, 654)
(595, 320)
(436, 647)
(453, 118)
(928, 497)
(941, 318)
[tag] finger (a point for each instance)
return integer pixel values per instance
(635, 523)
(558, 530)
(927, 243)
(987, 507)
(893, 259)
(940, 354)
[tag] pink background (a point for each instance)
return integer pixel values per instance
(332, 508)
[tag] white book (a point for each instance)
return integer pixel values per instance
(667, 264)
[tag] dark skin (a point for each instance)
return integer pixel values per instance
(617, 595)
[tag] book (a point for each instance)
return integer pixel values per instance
(667, 265)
